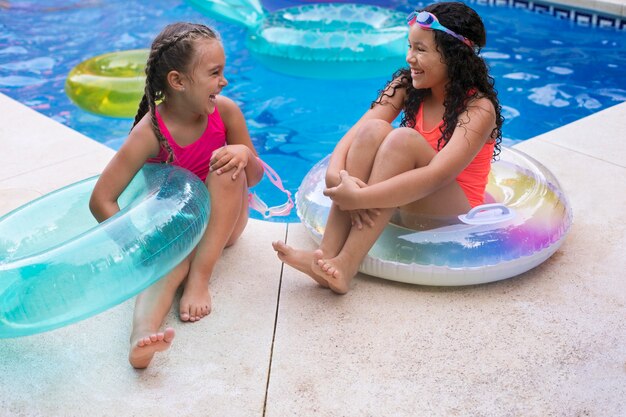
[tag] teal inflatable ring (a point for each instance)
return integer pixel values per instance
(59, 266)
(337, 41)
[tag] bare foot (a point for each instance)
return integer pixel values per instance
(143, 349)
(301, 260)
(317, 270)
(195, 302)
(337, 274)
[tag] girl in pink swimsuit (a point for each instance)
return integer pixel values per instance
(436, 163)
(196, 128)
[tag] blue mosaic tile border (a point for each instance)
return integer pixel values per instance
(579, 16)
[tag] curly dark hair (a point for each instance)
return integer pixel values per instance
(467, 71)
(172, 50)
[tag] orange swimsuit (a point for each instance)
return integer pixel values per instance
(473, 179)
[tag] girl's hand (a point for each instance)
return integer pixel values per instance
(359, 217)
(229, 157)
(345, 195)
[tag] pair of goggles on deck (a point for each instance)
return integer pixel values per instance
(429, 21)
(255, 202)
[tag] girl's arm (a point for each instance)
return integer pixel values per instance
(387, 110)
(140, 145)
(473, 131)
(239, 154)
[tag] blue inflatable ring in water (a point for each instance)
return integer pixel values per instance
(526, 221)
(59, 266)
(319, 40)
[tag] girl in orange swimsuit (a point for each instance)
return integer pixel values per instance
(435, 163)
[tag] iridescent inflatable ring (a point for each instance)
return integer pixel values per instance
(319, 40)
(523, 226)
(111, 84)
(58, 265)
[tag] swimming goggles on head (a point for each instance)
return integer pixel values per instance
(429, 21)
(255, 202)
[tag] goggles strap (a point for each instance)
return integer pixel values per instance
(256, 203)
(432, 23)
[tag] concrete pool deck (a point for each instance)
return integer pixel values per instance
(551, 342)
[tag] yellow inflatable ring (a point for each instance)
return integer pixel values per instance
(111, 84)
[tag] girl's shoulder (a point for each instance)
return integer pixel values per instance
(229, 110)
(142, 137)
(226, 106)
(479, 112)
(481, 102)
(143, 128)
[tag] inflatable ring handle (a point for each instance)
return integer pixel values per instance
(488, 214)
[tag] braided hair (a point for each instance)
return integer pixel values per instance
(171, 50)
(468, 74)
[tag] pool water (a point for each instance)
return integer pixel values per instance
(548, 72)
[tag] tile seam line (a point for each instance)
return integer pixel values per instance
(269, 367)
(549, 142)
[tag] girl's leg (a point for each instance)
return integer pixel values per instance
(229, 215)
(402, 150)
(151, 307)
(359, 161)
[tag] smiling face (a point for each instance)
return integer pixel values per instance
(205, 79)
(428, 69)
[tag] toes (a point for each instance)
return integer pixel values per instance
(168, 335)
(279, 247)
(327, 267)
(281, 250)
(197, 313)
(184, 313)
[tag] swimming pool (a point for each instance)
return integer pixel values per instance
(548, 72)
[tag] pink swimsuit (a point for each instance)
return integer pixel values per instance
(196, 156)
(473, 179)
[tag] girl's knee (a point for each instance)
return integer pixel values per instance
(402, 139)
(225, 181)
(406, 145)
(372, 132)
